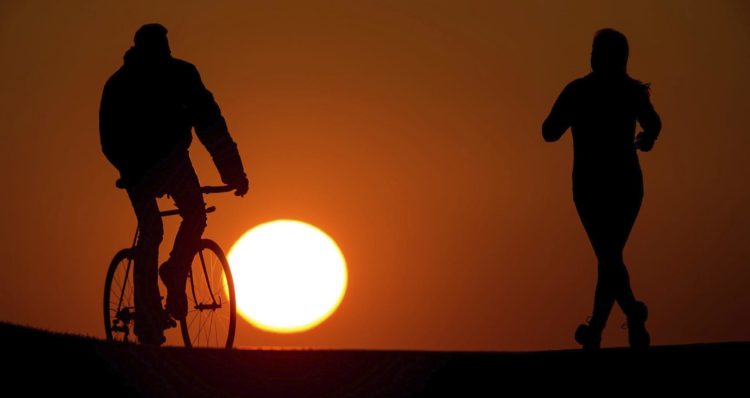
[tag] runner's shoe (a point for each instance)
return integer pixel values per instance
(589, 337)
(638, 336)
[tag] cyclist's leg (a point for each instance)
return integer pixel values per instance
(149, 317)
(184, 188)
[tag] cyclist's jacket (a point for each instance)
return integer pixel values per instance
(148, 108)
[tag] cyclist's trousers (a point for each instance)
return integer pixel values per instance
(175, 177)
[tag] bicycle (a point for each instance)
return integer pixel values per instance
(210, 293)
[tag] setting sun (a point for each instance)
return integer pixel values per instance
(289, 276)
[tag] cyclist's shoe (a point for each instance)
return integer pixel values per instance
(638, 336)
(588, 336)
(149, 335)
(174, 280)
(153, 339)
(167, 321)
(148, 325)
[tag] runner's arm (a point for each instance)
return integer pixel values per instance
(559, 118)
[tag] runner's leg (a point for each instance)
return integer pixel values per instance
(595, 217)
(621, 278)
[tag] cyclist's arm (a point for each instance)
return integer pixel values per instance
(559, 118)
(212, 131)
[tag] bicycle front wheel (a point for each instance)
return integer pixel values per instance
(212, 310)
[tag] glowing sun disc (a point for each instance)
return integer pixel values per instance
(289, 276)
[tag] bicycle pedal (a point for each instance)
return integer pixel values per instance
(171, 323)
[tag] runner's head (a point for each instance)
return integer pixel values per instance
(609, 53)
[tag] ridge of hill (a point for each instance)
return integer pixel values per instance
(37, 361)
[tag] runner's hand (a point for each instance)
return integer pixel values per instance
(643, 142)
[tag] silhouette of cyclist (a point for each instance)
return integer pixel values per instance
(148, 109)
(602, 109)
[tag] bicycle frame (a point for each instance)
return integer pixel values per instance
(166, 213)
(125, 314)
(204, 190)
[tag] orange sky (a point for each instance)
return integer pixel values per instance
(411, 133)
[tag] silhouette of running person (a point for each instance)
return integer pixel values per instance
(148, 108)
(601, 109)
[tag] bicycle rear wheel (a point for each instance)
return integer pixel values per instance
(211, 317)
(119, 298)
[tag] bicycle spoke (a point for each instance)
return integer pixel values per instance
(125, 282)
(219, 330)
(192, 286)
(213, 326)
(220, 333)
(197, 323)
(116, 284)
(192, 320)
(207, 327)
(205, 272)
(200, 325)
(217, 270)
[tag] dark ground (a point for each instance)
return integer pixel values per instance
(39, 362)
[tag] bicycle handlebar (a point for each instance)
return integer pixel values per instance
(217, 189)
(167, 213)
(206, 189)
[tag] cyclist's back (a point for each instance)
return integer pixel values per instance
(149, 107)
(141, 113)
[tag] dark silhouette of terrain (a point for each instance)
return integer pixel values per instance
(38, 361)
